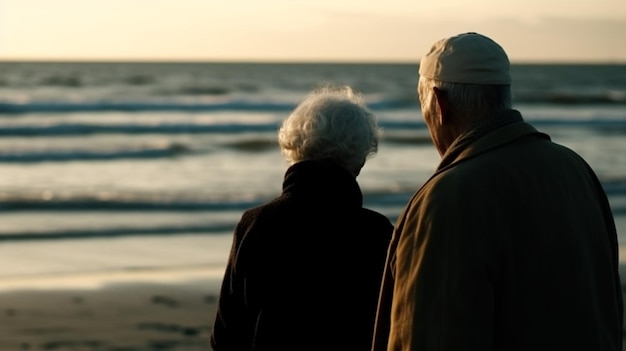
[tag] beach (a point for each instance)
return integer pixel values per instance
(146, 293)
(120, 316)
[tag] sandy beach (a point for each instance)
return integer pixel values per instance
(121, 315)
(117, 316)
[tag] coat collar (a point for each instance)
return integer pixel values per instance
(509, 125)
(324, 180)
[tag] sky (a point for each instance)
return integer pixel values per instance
(306, 30)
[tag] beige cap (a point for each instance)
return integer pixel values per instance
(469, 58)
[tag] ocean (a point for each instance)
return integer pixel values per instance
(138, 170)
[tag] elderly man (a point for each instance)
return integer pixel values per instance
(511, 244)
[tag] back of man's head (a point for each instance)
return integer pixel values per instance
(473, 71)
(467, 58)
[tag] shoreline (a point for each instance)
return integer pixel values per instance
(187, 276)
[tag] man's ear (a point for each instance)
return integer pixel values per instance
(444, 106)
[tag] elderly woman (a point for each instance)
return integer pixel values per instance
(305, 268)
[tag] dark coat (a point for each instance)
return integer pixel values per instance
(305, 269)
(511, 245)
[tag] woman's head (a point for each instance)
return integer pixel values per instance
(331, 123)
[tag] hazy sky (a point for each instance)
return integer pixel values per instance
(306, 30)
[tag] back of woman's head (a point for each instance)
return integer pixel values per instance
(331, 123)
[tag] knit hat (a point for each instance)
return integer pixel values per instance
(468, 58)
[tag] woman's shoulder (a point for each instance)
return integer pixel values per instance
(377, 220)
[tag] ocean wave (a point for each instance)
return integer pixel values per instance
(115, 232)
(614, 186)
(396, 130)
(156, 202)
(70, 107)
(572, 98)
(224, 213)
(380, 198)
(268, 104)
(84, 155)
(121, 203)
(388, 202)
(175, 149)
(69, 129)
(10, 108)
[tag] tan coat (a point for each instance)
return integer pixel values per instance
(511, 245)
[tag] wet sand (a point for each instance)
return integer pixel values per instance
(119, 316)
(128, 317)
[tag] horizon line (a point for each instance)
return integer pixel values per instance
(289, 61)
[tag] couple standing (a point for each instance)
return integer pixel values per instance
(510, 245)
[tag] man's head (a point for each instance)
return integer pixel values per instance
(468, 58)
(463, 79)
